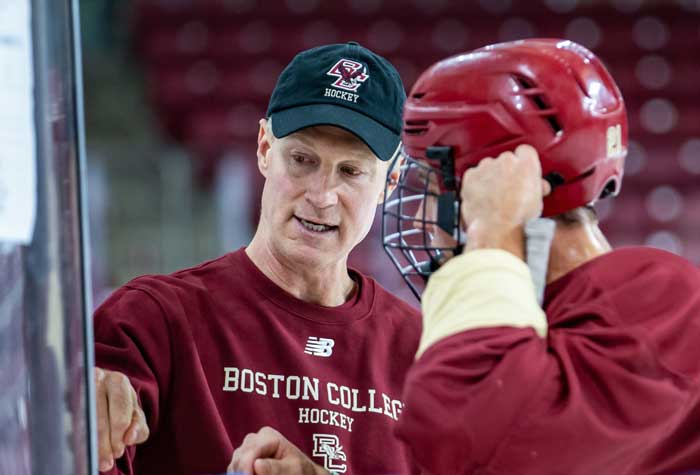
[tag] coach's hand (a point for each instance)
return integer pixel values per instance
(267, 452)
(500, 195)
(120, 420)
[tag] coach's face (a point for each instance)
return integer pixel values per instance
(322, 188)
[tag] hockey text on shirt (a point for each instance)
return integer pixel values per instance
(305, 388)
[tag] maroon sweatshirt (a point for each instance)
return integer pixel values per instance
(613, 390)
(218, 351)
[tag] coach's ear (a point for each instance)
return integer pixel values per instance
(264, 144)
(393, 175)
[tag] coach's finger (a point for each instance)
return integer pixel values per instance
(288, 466)
(292, 466)
(260, 448)
(263, 444)
(104, 446)
(121, 409)
(273, 467)
(138, 430)
(243, 457)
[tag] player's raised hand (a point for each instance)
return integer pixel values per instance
(120, 420)
(267, 452)
(507, 190)
(499, 196)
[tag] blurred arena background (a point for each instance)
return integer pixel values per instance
(174, 90)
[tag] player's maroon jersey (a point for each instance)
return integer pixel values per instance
(218, 351)
(614, 389)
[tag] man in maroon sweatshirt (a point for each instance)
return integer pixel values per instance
(198, 363)
(604, 379)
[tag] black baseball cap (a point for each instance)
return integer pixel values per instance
(345, 85)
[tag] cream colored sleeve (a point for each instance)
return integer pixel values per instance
(479, 289)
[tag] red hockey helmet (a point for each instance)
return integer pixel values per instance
(552, 94)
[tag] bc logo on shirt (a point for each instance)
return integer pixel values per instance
(319, 346)
(327, 446)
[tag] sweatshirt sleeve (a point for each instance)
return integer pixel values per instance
(496, 390)
(132, 337)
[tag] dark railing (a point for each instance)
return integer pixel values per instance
(45, 358)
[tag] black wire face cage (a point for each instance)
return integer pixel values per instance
(420, 209)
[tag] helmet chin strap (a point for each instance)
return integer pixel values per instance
(539, 233)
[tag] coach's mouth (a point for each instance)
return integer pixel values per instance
(315, 226)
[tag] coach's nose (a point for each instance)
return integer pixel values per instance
(321, 191)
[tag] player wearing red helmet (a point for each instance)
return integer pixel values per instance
(605, 377)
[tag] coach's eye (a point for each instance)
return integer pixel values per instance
(301, 159)
(351, 171)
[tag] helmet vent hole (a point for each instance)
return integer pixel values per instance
(540, 102)
(415, 131)
(415, 127)
(554, 123)
(609, 190)
(418, 95)
(523, 82)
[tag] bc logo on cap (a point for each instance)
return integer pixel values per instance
(350, 74)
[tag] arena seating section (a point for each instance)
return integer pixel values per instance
(211, 65)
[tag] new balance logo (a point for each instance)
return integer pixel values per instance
(327, 447)
(319, 346)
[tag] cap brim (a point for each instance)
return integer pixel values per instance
(381, 140)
